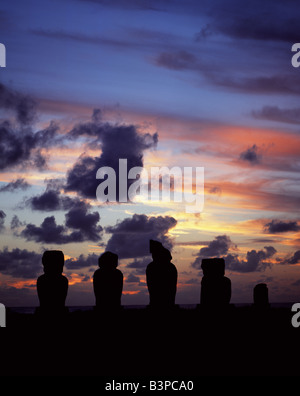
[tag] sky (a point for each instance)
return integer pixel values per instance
(177, 83)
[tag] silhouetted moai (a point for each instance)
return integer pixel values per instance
(161, 277)
(108, 282)
(215, 287)
(261, 296)
(52, 286)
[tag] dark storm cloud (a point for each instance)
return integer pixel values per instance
(20, 263)
(18, 184)
(130, 237)
(219, 247)
(251, 155)
(278, 226)
(91, 260)
(84, 226)
(2, 220)
(116, 142)
(274, 113)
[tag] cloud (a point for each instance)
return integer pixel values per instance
(83, 38)
(91, 260)
(216, 248)
(16, 223)
(140, 264)
(130, 237)
(220, 246)
(145, 5)
(2, 220)
(179, 60)
(120, 42)
(20, 263)
(255, 260)
(273, 84)
(18, 184)
(295, 259)
(84, 225)
(22, 146)
(23, 105)
(116, 142)
(48, 232)
(272, 23)
(47, 201)
(274, 113)
(203, 34)
(132, 279)
(51, 200)
(278, 226)
(251, 155)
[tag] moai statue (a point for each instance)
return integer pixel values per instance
(161, 277)
(108, 282)
(261, 296)
(215, 287)
(52, 286)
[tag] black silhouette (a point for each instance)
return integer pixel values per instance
(108, 282)
(215, 287)
(52, 286)
(161, 277)
(229, 341)
(261, 296)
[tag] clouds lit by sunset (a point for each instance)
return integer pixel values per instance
(178, 84)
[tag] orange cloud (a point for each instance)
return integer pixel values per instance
(130, 292)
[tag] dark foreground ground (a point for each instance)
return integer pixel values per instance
(180, 343)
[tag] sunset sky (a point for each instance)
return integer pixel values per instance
(161, 83)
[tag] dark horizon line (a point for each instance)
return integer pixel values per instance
(145, 305)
